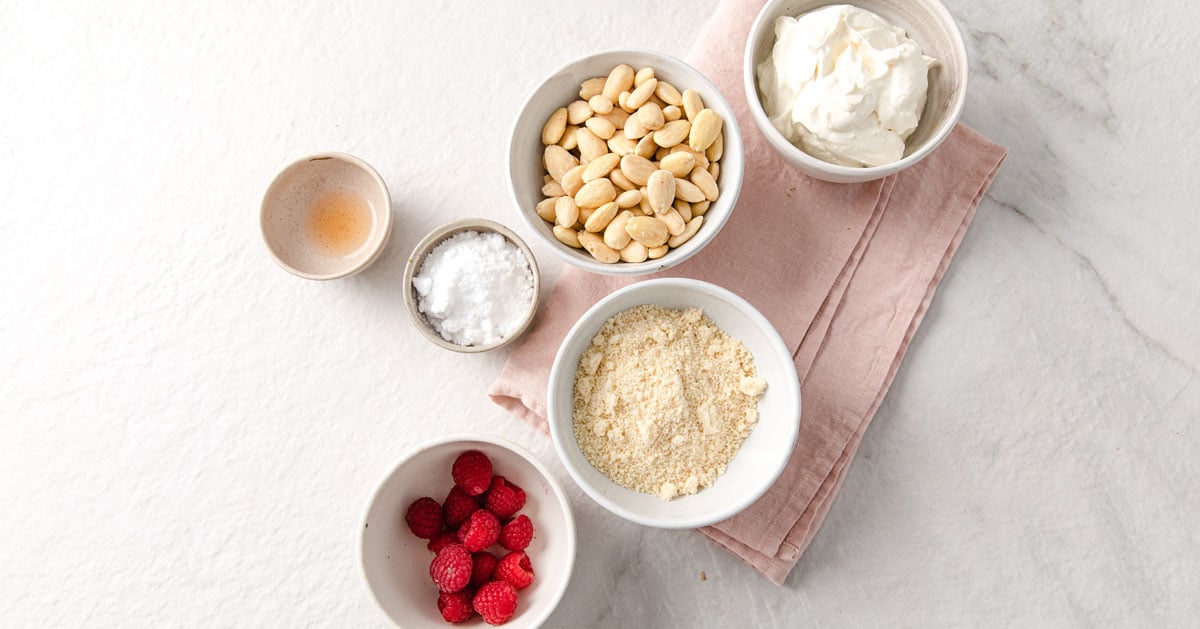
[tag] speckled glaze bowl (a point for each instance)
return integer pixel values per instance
(929, 24)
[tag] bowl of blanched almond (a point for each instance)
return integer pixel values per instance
(626, 162)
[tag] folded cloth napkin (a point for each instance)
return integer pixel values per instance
(844, 272)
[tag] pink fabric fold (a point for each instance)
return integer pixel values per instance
(844, 272)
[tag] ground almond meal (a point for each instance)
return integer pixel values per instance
(664, 399)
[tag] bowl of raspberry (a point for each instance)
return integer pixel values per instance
(468, 530)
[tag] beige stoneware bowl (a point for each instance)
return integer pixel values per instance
(935, 31)
(433, 239)
(287, 204)
(395, 564)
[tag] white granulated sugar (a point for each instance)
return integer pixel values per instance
(664, 399)
(475, 288)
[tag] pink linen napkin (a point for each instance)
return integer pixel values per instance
(844, 272)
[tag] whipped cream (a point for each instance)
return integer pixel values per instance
(844, 85)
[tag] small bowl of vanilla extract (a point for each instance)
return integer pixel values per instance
(326, 216)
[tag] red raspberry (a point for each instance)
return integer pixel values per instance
(496, 602)
(481, 530)
(458, 507)
(424, 518)
(515, 569)
(455, 606)
(504, 498)
(472, 471)
(517, 534)
(451, 569)
(484, 563)
(443, 540)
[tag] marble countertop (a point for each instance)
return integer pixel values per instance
(188, 434)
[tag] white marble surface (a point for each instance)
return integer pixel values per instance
(188, 434)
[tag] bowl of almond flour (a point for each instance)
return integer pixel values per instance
(674, 403)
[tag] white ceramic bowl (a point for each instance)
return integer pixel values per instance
(762, 456)
(560, 88)
(395, 563)
(929, 24)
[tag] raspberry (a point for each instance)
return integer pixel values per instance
(517, 534)
(496, 602)
(515, 569)
(458, 507)
(424, 518)
(441, 541)
(484, 563)
(455, 606)
(472, 471)
(481, 530)
(451, 569)
(504, 498)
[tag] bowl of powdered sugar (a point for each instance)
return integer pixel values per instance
(471, 286)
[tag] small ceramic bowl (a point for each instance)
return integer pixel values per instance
(929, 24)
(433, 239)
(525, 150)
(395, 563)
(762, 456)
(289, 203)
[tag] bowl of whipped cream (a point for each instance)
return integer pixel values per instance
(851, 93)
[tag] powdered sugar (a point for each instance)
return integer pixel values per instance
(475, 288)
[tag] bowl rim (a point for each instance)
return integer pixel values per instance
(838, 173)
(729, 194)
(568, 514)
(790, 377)
(417, 257)
(386, 212)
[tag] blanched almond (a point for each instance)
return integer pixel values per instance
(693, 226)
(661, 190)
(600, 104)
(692, 103)
(552, 131)
(701, 208)
(621, 181)
(655, 253)
(619, 80)
(647, 230)
(602, 128)
(679, 164)
(688, 191)
(591, 87)
(701, 160)
(566, 212)
(634, 252)
(578, 111)
(600, 219)
(558, 161)
(553, 189)
(684, 208)
(617, 117)
(651, 116)
(600, 167)
(569, 141)
(674, 221)
(595, 193)
(672, 133)
(705, 129)
(545, 209)
(590, 145)
(594, 245)
(646, 147)
(621, 145)
(705, 182)
(716, 150)
(568, 237)
(629, 198)
(643, 75)
(623, 102)
(671, 113)
(644, 205)
(637, 168)
(714, 169)
(615, 235)
(668, 93)
(572, 180)
(641, 95)
(634, 129)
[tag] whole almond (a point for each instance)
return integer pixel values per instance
(552, 131)
(672, 133)
(693, 226)
(655, 253)
(662, 152)
(634, 129)
(674, 221)
(647, 230)
(629, 198)
(600, 219)
(644, 205)
(584, 213)
(623, 102)
(578, 111)
(651, 116)
(637, 168)
(615, 235)
(684, 208)
(591, 87)
(671, 113)
(714, 169)
(572, 180)
(634, 252)
(699, 209)
(688, 191)
(621, 181)
(595, 193)
(553, 189)
(600, 104)
(621, 145)
(701, 160)
(642, 94)
(558, 161)
(601, 127)
(643, 75)
(600, 167)
(716, 149)
(661, 190)
(594, 245)
(646, 147)
(619, 80)
(692, 103)
(705, 129)
(705, 182)
(566, 212)
(569, 141)
(668, 93)
(568, 237)
(545, 209)
(590, 145)
(679, 164)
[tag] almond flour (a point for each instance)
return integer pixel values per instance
(664, 399)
